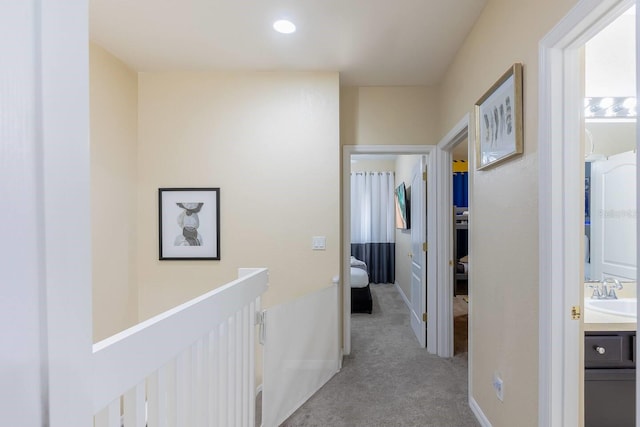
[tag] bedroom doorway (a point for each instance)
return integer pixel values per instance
(392, 155)
(460, 241)
(453, 309)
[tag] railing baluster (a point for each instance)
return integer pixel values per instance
(214, 376)
(237, 380)
(134, 407)
(109, 416)
(183, 389)
(233, 363)
(153, 397)
(223, 373)
(162, 394)
(171, 413)
(202, 378)
(255, 308)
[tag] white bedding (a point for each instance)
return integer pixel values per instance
(359, 277)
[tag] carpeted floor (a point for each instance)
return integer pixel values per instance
(388, 380)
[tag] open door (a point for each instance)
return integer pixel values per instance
(419, 253)
(613, 219)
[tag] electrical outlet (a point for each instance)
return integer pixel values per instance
(498, 386)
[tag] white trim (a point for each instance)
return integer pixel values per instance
(404, 297)
(64, 100)
(638, 205)
(559, 207)
(445, 230)
(480, 416)
(347, 151)
(22, 268)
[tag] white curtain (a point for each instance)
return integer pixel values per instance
(373, 223)
(372, 207)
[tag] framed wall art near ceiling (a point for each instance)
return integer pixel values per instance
(498, 116)
(189, 220)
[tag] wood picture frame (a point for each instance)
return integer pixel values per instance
(498, 116)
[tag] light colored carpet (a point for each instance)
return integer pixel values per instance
(388, 380)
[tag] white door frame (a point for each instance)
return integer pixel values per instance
(445, 230)
(432, 172)
(560, 207)
(46, 276)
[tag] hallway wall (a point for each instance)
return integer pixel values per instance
(270, 141)
(399, 115)
(504, 210)
(114, 169)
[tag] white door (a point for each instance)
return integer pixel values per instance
(613, 217)
(418, 253)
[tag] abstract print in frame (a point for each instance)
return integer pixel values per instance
(189, 222)
(498, 116)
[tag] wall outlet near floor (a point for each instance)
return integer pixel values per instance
(498, 386)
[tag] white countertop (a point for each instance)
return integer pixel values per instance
(598, 321)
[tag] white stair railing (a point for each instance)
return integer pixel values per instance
(191, 366)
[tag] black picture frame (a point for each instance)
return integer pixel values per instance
(189, 223)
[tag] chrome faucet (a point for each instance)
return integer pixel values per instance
(606, 289)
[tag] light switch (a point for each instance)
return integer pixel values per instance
(318, 243)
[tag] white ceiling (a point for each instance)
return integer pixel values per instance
(370, 42)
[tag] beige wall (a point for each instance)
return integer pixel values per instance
(504, 210)
(373, 166)
(113, 92)
(270, 141)
(402, 115)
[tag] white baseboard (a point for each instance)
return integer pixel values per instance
(480, 416)
(404, 297)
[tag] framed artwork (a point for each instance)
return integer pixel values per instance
(189, 220)
(498, 116)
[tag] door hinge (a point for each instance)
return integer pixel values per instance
(424, 176)
(424, 317)
(424, 246)
(261, 318)
(450, 263)
(575, 312)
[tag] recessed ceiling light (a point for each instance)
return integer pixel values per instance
(284, 26)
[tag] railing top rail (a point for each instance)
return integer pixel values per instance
(126, 358)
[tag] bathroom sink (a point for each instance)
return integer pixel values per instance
(620, 307)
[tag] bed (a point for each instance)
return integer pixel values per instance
(361, 301)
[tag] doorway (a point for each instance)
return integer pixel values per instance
(429, 153)
(561, 207)
(460, 240)
(456, 141)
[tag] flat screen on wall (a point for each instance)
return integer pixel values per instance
(402, 207)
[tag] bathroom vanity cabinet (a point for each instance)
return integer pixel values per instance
(610, 378)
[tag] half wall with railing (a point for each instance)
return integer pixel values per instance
(193, 365)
